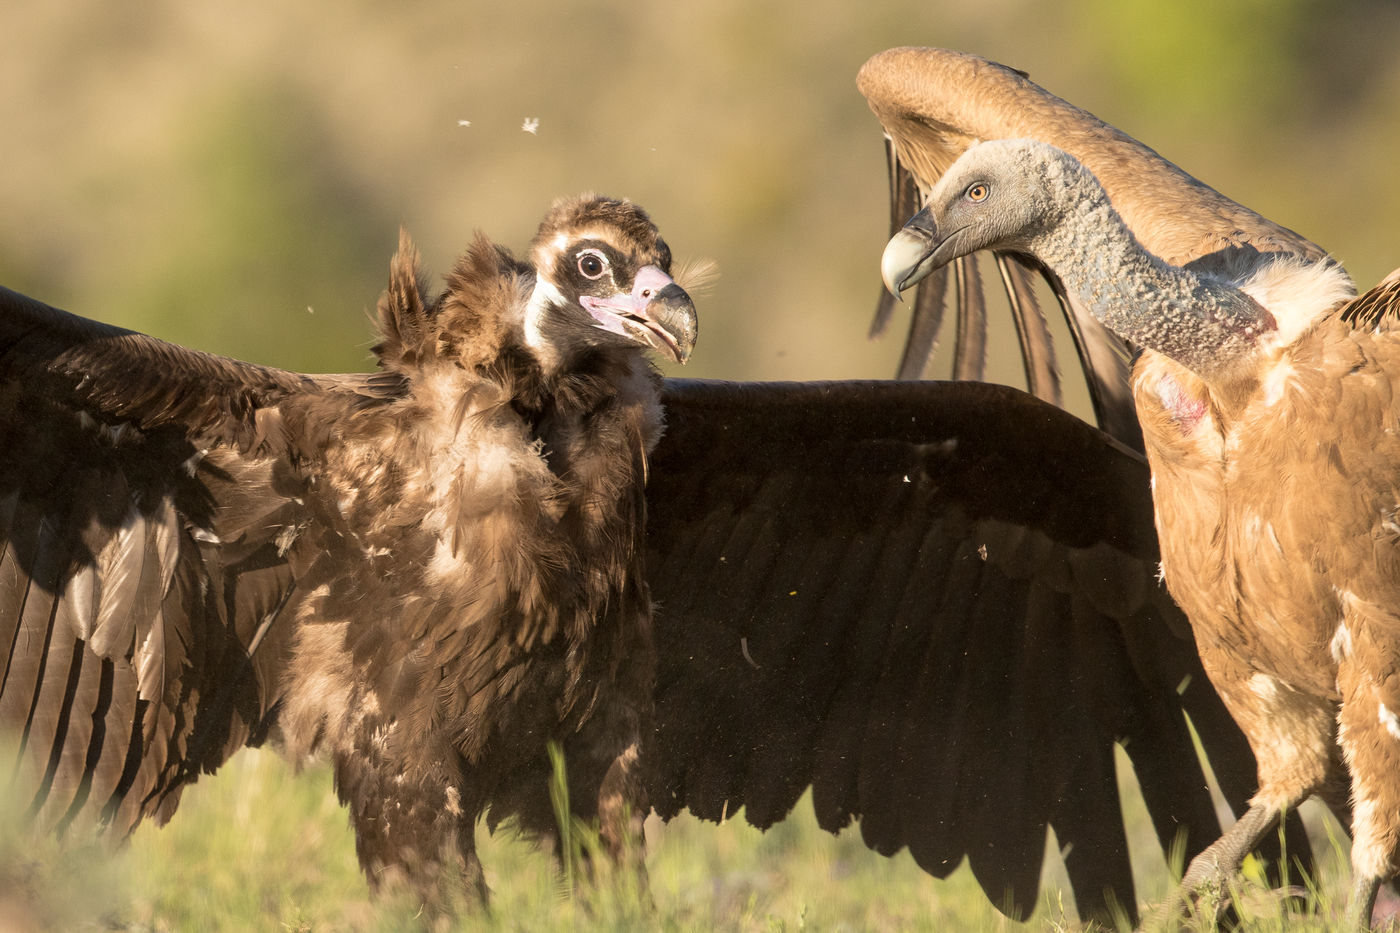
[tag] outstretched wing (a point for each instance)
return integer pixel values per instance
(149, 512)
(935, 103)
(936, 605)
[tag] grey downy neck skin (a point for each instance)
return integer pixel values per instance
(1203, 323)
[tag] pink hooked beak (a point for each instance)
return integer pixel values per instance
(658, 313)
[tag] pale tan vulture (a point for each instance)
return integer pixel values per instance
(1267, 397)
(933, 604)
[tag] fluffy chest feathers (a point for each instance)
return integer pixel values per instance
(1261, 494)
(499, 507)
(485, 573)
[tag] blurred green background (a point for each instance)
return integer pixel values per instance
(234, 176)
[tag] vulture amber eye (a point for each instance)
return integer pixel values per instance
(978, 192)
(592, 264)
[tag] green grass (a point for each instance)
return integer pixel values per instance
(260, 848)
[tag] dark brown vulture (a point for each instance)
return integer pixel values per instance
(425, 574)
(934, 604)
(1267, 397)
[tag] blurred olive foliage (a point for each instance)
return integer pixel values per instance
(233, 176)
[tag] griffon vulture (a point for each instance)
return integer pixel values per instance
(935, 604)
(1266, 394)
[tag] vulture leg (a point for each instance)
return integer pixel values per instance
(1293, 763)
(1368, 734)
(619, 814)
(1209, 873)
(605, 789)
(602, 791)
(1363, 901)
(413, 829)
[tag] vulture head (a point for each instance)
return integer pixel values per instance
(1000, 195)
(1029, 197)
(603, 278)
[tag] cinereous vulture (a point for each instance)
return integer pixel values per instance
(1266, 394)
(934, 604)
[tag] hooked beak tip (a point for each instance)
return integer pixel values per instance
(674, 313)
(657, 314)
(900, 263)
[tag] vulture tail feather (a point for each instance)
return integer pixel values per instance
(1037, 348)
(970, 351)
(904, 203)
(1107, 364)
(924, 325)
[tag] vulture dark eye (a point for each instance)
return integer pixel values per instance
(592, 264)
(978, 191)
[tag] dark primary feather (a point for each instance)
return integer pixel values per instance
(1376, 308)
(904, 203)
(970, 348)
(1037, 349)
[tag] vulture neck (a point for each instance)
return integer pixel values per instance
(1208, 325)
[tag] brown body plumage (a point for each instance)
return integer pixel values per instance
(1266, 395)
(1276, 498)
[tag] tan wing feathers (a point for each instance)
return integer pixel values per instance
(934, 103)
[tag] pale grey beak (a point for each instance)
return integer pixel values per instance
(911, 254)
